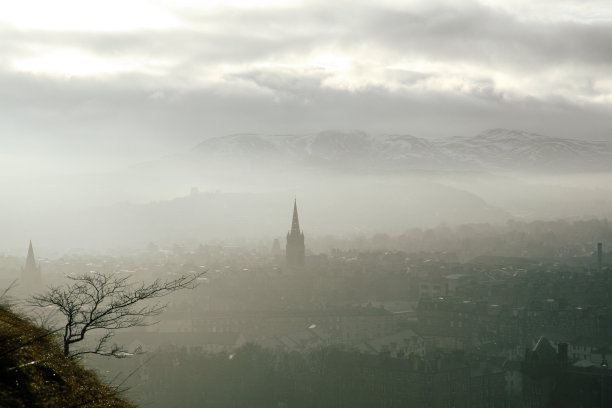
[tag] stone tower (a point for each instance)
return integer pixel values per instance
(296, 250)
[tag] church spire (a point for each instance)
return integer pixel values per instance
(30, 259)
(295, 250)
(30, 273)
(295, 223)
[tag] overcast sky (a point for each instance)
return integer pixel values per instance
(115, 81)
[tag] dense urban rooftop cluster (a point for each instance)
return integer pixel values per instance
(423, 328)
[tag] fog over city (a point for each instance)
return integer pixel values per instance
(364, 187)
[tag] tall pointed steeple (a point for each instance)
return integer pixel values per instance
(30, 273)
(295, 251)
(30, 259)
(295, 223)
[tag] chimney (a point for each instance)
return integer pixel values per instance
(599, 256)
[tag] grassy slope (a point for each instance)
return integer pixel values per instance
(35, 373)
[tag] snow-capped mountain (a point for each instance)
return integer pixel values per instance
(495, 149)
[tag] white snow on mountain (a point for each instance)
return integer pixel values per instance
(495, 149)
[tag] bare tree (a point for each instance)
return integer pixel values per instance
(106, 302)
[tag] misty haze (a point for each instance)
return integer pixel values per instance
(306, 204)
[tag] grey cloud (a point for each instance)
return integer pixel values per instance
(491, 37)
(468, 32)
(459, 32)
(88, 116)
(148, 114)
(284, 84)
(222, 43)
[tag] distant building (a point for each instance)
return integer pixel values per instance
(310, 338)
(436, 381)
(350, 326)
(401, 344)
(295, 250)
(190, 341)
(30, 273)
(276, 249)
(551, 380)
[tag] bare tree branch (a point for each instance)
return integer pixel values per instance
(107, 302)
(4, 297)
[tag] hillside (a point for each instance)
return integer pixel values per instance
(35, 373)
(346, 183)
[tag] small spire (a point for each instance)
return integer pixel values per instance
(30, 259)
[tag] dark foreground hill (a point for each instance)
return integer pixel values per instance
(35, 373)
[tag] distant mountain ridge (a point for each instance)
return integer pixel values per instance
(494, 149)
